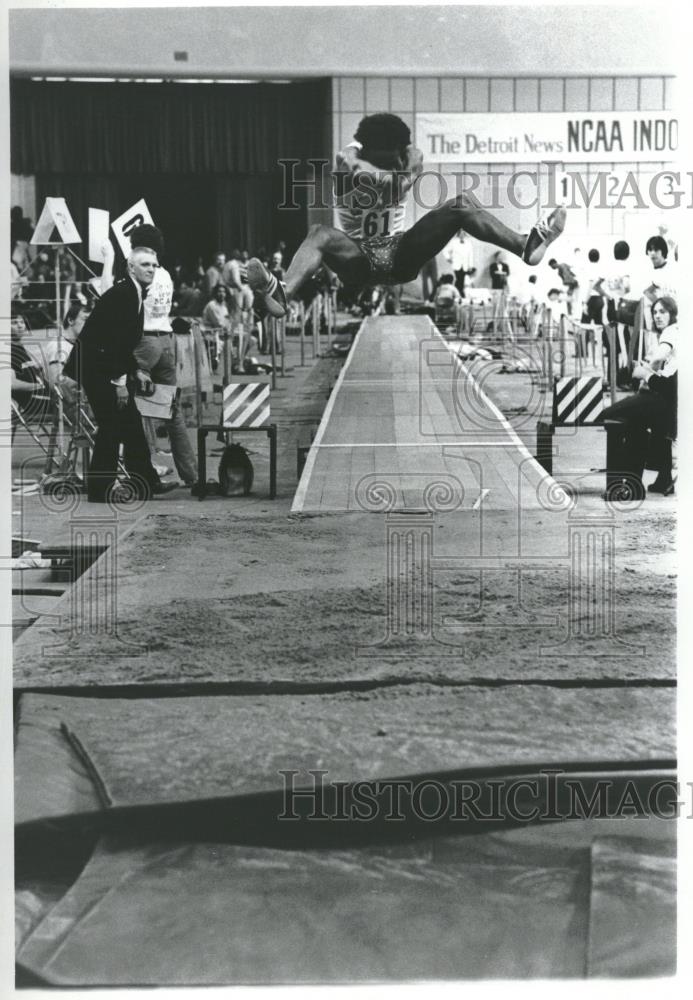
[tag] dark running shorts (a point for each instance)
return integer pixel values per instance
(380, 253)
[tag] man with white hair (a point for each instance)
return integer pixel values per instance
(104, 362)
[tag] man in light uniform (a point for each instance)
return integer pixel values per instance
(374, 175)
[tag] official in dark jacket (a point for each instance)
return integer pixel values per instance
(104, 363)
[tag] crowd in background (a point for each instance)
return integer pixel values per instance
(622, 290)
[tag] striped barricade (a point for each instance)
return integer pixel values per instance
(246, 402)
(578, 401)
(245, 406)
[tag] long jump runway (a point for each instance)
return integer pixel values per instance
(408, 427)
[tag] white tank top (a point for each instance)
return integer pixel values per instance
(366, 221)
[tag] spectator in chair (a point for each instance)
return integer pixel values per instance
(28, 388)
(653, 407)
(188, 300)
(448, 299)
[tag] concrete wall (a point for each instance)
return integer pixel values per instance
(236, 41)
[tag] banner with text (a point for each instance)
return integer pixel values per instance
(568, 137)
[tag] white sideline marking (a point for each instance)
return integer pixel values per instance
(456, 443)
(302, 489)
(512, 433)
(514, 438)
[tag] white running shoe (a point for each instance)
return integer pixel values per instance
(542, 234)
(265, 285)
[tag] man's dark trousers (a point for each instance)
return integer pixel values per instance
(116, 427)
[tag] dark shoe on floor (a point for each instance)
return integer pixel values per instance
(164, 488)
(663, 486)
(628, 491)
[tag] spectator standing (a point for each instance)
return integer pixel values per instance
(500, 272)
(459, 254)
(214, 275)
(663, 279)
(556, 306)
(156, 352)
(620, 307)
(104, 362)
(236, 279)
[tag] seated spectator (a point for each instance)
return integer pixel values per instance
(447, 298)
(658, 279)
(18, 282)
(648, 418)
(188, 300)
(56, 353)
(216, 317)
(28, 388)
(216, 314)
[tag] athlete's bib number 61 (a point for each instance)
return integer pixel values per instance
(372, 224)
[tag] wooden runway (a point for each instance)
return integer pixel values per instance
(407, 425)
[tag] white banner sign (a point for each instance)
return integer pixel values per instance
(568, 137)
(122, 226)
(98, 233)
(55, 219)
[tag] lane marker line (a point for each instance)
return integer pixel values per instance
(455, 443)
(302, 488)
(543, 475)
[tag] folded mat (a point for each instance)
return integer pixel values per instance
(632, 908)
(141, 752)
(514, 904)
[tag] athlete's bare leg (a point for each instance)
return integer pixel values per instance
(322, 245)
(431, 233)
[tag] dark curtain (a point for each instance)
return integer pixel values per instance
(173, 128)
(204, 157)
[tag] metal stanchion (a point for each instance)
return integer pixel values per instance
(197, 360)
(613, 367)
(226, 352)
(548, 328)
(316, 326)
(302, 333)
(281, 326)
(330, 313)
(272, 334)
